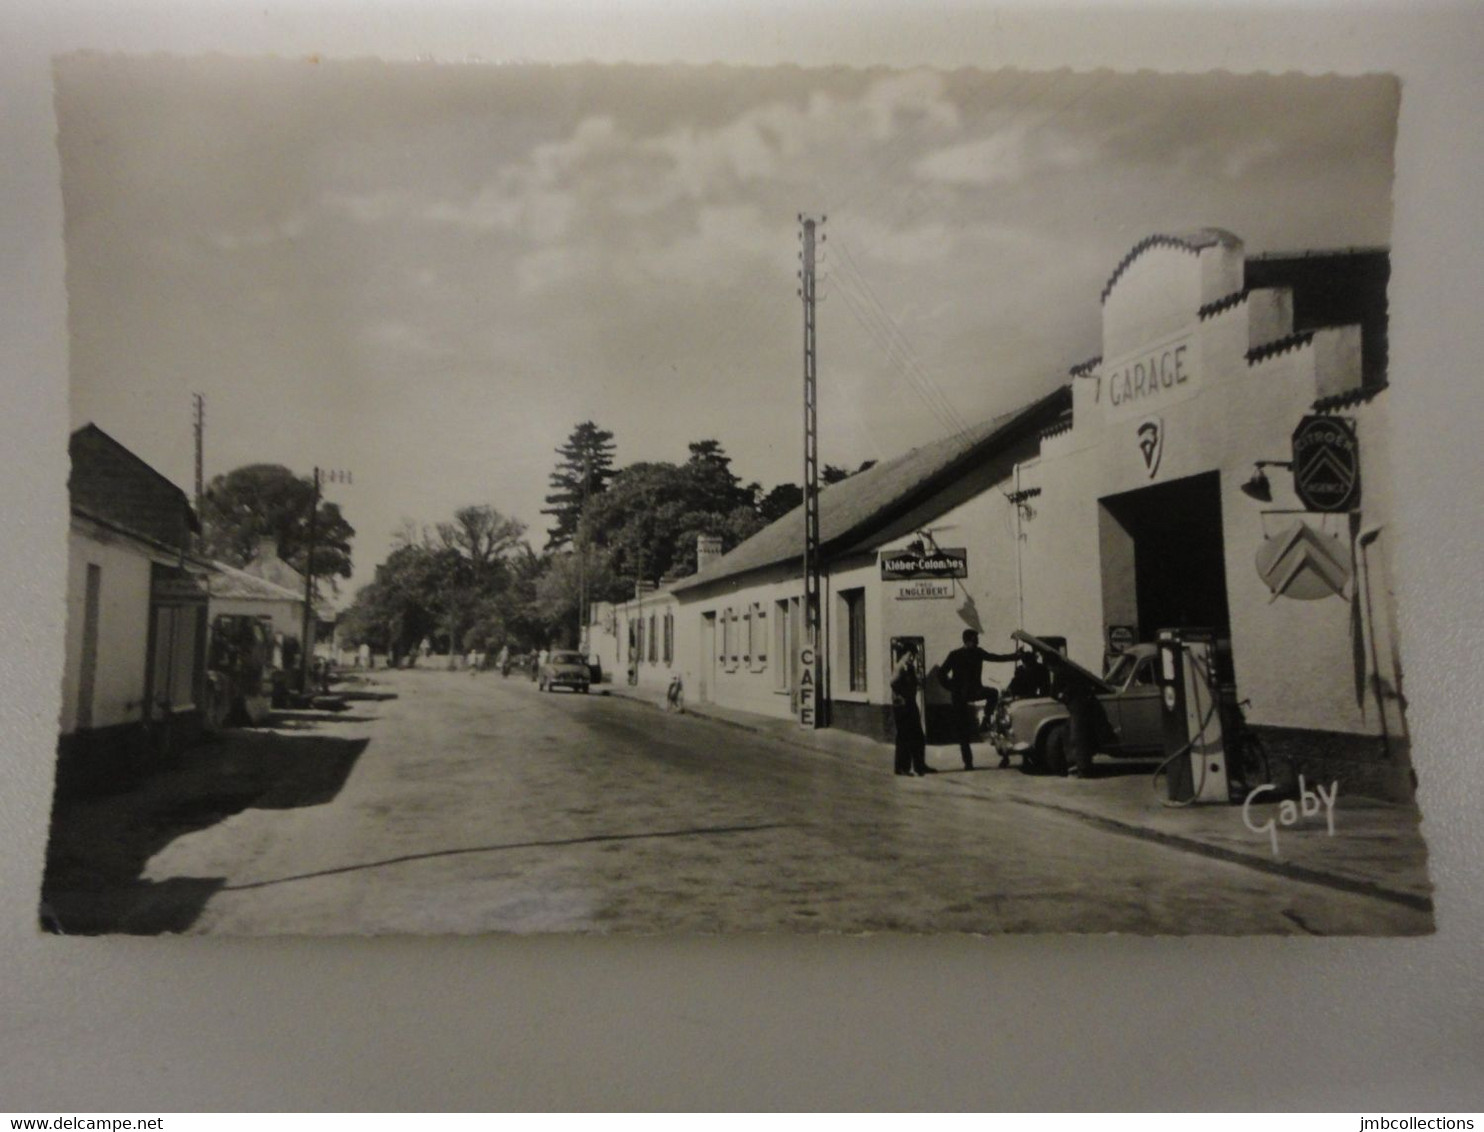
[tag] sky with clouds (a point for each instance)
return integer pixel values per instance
(427, 274)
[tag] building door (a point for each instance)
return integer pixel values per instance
(796, 643)
(87, 678)
(1164, 558)
(708, 656)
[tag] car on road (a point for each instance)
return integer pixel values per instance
(1130, 724)
(564, 670)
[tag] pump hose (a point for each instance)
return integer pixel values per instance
(1171, 804)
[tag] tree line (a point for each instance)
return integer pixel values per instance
(474, 581)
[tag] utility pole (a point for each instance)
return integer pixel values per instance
(306, 643)
(200, 428)
(587, 475)
(306, 658)
(810, 669)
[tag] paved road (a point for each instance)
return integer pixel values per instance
(479, 804)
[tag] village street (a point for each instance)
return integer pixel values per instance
(473, 803)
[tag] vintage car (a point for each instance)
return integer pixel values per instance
(1131, 722)
(564, 670)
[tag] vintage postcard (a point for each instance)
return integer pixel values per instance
(659, 499)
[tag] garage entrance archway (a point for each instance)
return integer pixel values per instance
(1164, 558)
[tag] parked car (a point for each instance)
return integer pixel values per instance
(564, 670)
(1130, 724)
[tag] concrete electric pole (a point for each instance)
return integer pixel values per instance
(200, 429)
(306, 658)
(810, 669)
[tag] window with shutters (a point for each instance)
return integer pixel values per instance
(759, 637)
(855, 617)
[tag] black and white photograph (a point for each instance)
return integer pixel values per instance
(648, 499)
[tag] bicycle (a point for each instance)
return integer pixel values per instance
(1252, 764)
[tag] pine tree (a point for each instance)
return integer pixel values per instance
(585, 467)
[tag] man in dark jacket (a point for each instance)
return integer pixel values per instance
(962, 674)
(911, 746)
(1084, 713)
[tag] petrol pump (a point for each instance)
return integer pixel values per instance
(1194, 727)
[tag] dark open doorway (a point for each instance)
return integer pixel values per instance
(1164, 561)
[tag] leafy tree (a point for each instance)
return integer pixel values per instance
(556, 605)
(648, 520)
(261, 501)
(830, 474)
(780, 501)
(458, 584)
(397, 610)
(482, 537)
(585, 467)
(710, 473)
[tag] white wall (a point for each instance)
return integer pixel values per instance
(608, 638)
(123, 627)
(1294, 659)
(752, 684)
(985, 527)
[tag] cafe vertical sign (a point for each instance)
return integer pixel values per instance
(808, 686)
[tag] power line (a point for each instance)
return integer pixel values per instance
(923, 381)
(888, 349)
(871, 315)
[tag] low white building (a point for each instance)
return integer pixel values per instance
(236, 592)
(635, 640)
(886, 534)
(134, 677)
(268, 566)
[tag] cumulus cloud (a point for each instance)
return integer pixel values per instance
(908, 101)
(1014, 152)
(403, 337)
(713, 249)
(261, 235)
(546, 268)
(372, 207)
(539, 214)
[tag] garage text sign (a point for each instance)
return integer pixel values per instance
(1149, 378)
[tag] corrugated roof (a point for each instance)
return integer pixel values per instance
(852, 509)
(230, 582)
(112, 483)
(275, 570)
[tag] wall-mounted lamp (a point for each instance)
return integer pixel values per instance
(1021, 500)
(1258, 487)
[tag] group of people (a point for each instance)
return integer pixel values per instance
(962, 675)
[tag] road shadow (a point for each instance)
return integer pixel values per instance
(310, 720)
(1122, 768)
(100, 846)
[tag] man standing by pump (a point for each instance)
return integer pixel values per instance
(962, 674)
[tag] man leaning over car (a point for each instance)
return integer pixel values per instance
(962, 674)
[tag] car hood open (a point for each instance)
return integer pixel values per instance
(1053, 656)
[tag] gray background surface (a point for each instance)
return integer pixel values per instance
(886, 1022)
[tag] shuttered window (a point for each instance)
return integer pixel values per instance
(855, 613)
